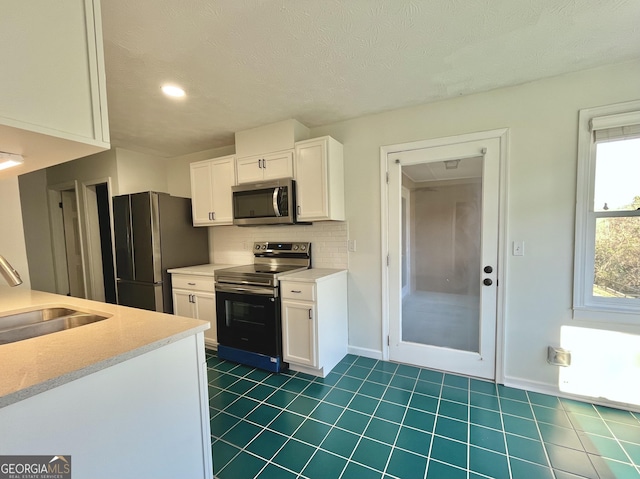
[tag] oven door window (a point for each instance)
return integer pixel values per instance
(249, 322)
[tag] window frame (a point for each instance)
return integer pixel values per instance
(585, 305)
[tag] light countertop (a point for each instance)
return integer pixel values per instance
(312, 275)
(201, 269)
(35, 365)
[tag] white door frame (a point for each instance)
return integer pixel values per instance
(57, 235)
(94, 284)
(503, 136)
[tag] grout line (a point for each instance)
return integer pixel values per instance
(505, 433)
(433, 428)
(368, 422)
(544, 445)
(398, 373)
(615, 437)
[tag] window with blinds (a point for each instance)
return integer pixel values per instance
(607, 261)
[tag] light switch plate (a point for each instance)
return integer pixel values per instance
(518, 248)
(351, 245)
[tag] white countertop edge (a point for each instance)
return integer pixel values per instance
(312, 275)
(200, 269)
(65, 378)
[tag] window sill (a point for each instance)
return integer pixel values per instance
(608, 315)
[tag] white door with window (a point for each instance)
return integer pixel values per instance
(443, 199)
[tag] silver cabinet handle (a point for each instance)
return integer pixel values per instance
(310, 314)
(213, 215)
(299, 209)
(259, 163)
(191, 284)
(264, 163)
(296, 291)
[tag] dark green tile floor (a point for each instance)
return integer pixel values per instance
(376, 419)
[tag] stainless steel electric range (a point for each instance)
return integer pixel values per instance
(248, 304)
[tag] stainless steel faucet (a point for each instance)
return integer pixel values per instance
(9, 273)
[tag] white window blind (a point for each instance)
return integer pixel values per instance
(616, 127)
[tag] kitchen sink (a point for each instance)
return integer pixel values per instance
(31, 324)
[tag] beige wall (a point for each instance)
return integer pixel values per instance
(446, 251)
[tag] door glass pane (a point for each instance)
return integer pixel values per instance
(442, 307)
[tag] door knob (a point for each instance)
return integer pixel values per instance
(487, 282)
(488, 269)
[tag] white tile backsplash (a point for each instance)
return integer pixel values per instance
(233, 244)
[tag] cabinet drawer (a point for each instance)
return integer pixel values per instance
(301, 291)
(193, 283)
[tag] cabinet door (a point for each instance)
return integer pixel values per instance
(223, 177)
(299, 341)
(311, 178)
(278, 165)
(205, 309)
(250, 169)
(52, 81)
(182, 305)
(201, 197)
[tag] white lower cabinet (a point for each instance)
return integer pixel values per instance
(194, 297)
(314, 321)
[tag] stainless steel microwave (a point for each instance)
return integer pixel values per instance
(265, 203)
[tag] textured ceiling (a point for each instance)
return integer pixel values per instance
(246, 63)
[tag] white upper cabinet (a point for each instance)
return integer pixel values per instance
(319, 174)
(265, 167)
(211, 182)
(53, 104)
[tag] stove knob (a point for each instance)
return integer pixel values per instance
(257, 246)
(295, 247)
(303, 247)
(264, 246)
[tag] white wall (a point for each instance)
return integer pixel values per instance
(37, 234)
(12, 244)
(542, 118)
(140, 172)
(93, 167)
(178, 176)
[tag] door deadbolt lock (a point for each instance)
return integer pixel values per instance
(488, 269)
(487, 282)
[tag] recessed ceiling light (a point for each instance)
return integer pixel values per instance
(173, 91)
(7, 160)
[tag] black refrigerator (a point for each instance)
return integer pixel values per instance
(153, 232)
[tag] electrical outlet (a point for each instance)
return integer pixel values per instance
(518, 248)
(351, 245)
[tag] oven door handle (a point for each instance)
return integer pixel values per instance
(225, 288)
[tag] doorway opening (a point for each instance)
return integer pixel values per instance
(82, 243)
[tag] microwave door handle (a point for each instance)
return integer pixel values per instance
(276, 194)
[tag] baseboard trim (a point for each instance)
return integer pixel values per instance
(545, 388)
(365, 352)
